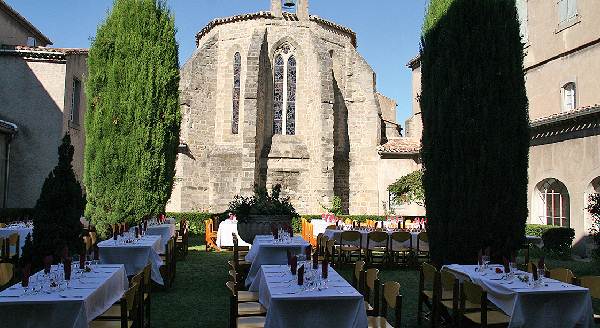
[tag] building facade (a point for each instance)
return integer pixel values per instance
(283, 97)
(41, 99)
(562, 64)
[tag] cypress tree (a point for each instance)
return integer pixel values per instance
(132, 120)
(56, 222)
(475, 128)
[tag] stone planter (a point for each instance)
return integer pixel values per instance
(260, 225)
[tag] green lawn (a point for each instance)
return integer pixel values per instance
(199, 297)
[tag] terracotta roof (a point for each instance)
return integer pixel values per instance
(23, 21)
(269, 15)
(401, 146)
(559, 117)
(8, 127)
(41, 52)
(414, 62)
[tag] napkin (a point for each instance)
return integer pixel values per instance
(541, 262)
(96, 253)
(67, 261)
(301, 275)
(65, 252)
(26, 270)
(289, 257)
(82, 260)
(535, 271)
(294, 265)
(145, 225)
(325, 269)
(115, 234)
(506, 264)
(307, 252)
(315, 261)
(137, 232)
(47, 263)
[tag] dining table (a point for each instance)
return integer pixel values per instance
(72, 305)
(268, 250)
(330, 302)
(164, 230)
(336, 234)
(135, 255)
(550, 303)
(22, 229)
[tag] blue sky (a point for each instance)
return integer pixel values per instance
(388, 30)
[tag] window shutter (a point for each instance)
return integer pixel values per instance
(562, 10)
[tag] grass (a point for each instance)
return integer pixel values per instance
(199, 297)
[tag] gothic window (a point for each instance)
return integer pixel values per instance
(284, 91)
(554, 203)
(237, 68)
(569, 100)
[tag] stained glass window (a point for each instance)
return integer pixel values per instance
(237, 68)
(290, 117)
(278, 95)
(284, 91)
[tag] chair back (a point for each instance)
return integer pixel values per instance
(391, 291)
(131, 298)
(147, 278)
(562, 274)
(472, 292)
(377, 236)
(593, 284)
(402, 237)
(350, 235)
(6, 273)
(93, 237)
(331, 227)
(371, 275)
(429, 273)
(448, 280)
(358, 268)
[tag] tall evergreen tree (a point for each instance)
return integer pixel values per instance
(58, 210)
(475, 128)
(133, 118)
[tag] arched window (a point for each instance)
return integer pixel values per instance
(237, 69)
(569, 94)
(554, 201)
(284, 91)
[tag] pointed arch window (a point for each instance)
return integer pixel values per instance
(284, 91)
(237, 69)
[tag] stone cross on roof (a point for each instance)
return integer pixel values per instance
(301, 9)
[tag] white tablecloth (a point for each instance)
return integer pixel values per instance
(554, 304)
(165, 231)
(224, 237)
(340, 305)
(319, 226)
(134, 256)
(88, 297)
(265, 251)
(22, 231)
(336, 235)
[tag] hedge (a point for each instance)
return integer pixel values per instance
(537, 229)
(558, 241)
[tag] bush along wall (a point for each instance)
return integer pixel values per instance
(558, 241)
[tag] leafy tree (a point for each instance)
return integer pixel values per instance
(475, 128)
(335, 207)
(58, 210)
(133, 117)
(594, 209)
(408, 188)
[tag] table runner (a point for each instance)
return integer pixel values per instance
(21, 230)
(134, 256)
(555, 304)
(86, 299)
(224, 237)
(266, 251)
(340, 305)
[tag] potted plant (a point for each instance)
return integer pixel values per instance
(256, 214)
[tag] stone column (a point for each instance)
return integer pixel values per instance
(302, 10)
(276, 8)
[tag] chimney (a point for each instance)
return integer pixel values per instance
(302, 9)
(276, 8)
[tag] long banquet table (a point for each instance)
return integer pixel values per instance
(165, 231)
(265, 250)
(553, 304)
(336, 235)
(339, 305)
(135, 256)
(87, 297)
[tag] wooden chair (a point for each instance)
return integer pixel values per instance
(359, 267)
(347, 248)
(331, 251)
(125, 314)
(593, 284)
(397, 248)
(6, 274)
(377, 238)
(2, 225)
(562, 274)
(429, 290)
(391, 299)
(482, 317)
(167, 270)
(450, 297)
(422, 248)
(331, 227)
(240, 264)
(303, 231)
(146, 294)
(243, 296)
(182, 242)
(244, 314)
(370, 282)
(322, 245)
(210, 236)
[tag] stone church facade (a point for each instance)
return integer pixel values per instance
(284, 98)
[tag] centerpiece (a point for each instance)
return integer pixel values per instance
(256, 214)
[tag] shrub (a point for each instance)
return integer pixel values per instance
(133, 117)
(262, 203)
(594, 209)
(557, 241)
(408, 189)
(537, 229)
(196, 220)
